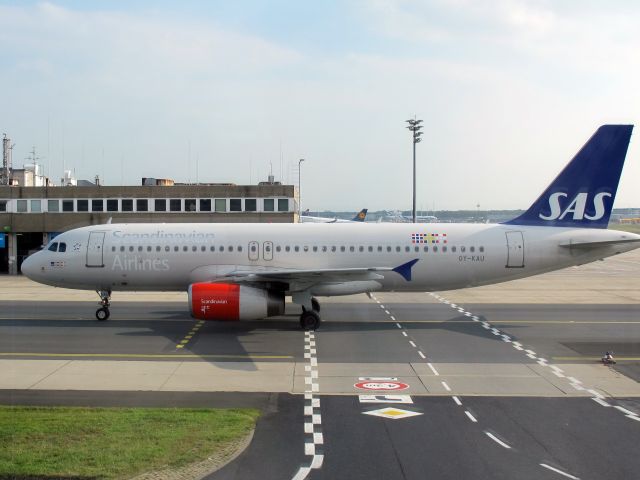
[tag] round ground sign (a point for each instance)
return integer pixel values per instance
(381, 385)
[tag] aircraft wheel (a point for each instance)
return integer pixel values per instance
(102, 314)
(315, 305)
(310, 320)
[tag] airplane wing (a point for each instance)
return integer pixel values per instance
(297, 278)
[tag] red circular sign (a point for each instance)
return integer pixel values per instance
(381, 385)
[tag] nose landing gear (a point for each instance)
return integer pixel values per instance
(103, 312)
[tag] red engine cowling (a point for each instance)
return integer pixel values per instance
(230, 301)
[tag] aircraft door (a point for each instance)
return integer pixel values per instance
(253, 251)
(515, 250)
(267, 250)
(95, 247)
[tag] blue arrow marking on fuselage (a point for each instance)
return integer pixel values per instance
(405, 269)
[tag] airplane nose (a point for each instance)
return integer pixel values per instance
(29, 266)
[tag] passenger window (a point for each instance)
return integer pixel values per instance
(397, 249)
(481, 249)
(444, 249)
(388, 249)
(62, 247)
(361, 248)
(462, 249)
(453, 249)
(333, 248)
(185, 248)
(166, 248)
(342, 248)
(157, 248)
(278, 248)
(203, 248)
(149, 248)
(222, 248)
(379, 248)
(140, 248)
(194, 248)
(176, 248)
(122, 248)
(53, 247)
(426, 249)
(239, 248)
(305, 248)
(435, 249)
(296, 248)
(472, 249)
(131, 248)
(287, 248)
(113, 249)
(417, 249)
(407, 249)
(352, 248)
(324, 248)
(315, 249)
(370, 249)
(212, 248)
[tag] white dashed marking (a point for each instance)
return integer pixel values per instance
(497, 440)
(446, 387)
(433, 369)
(549, 467)
(421, 354)
(457, 400)
(412, 343)
(471, 417)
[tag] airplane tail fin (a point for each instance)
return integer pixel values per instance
(583, 194)
(360, 216)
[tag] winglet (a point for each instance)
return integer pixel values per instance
(405, 269)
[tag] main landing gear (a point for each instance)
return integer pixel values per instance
(103, 312)
(310, 319)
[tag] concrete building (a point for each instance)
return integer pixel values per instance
(31, 216)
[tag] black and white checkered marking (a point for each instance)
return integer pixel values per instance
(314, 440)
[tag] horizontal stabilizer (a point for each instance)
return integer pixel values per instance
(597, 244)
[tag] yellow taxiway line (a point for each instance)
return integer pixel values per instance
(176, 356)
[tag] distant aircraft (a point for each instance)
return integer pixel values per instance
(398, 217)
(306, 218)
(244, 271)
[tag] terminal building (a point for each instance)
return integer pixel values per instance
(30, 216)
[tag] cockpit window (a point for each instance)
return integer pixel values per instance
(53, 247)
(62, 247)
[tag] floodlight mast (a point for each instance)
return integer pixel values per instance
(414, 126)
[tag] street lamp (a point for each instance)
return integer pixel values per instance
(299, 188)
(414, 126)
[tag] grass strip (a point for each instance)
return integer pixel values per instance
(112, 443)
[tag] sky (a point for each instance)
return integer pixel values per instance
(218, 91)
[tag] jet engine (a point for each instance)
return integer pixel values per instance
(230, 301)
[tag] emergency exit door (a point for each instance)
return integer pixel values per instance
(95, 247)
(515, 250)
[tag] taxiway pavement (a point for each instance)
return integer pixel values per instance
(501, 382)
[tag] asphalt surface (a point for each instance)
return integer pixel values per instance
(550, 438)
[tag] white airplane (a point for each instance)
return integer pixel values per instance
(244, 271)
(306, 218)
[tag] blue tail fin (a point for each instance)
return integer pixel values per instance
(360, 216)
(583, 194)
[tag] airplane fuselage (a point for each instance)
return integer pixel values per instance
(167, 257)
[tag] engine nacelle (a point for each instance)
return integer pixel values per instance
(230, 301)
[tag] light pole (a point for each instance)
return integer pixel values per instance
(299, 188)
(414, 126)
